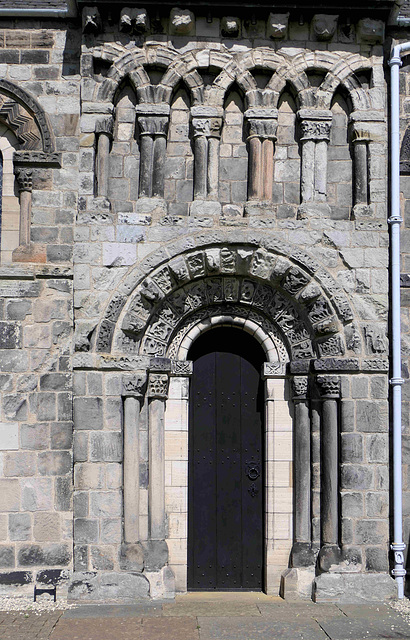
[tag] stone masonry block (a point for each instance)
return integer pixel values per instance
(89, 476)
(371, 532)
(102, 558)
(9, 434)
(46, 527)
(37, 495)
(106, 504)
(10, 335)
(372, 416)
(63, 491)
(356, 477)
(352, 505)
(88, 413)
(377, 448)
(80, 446)
(106, 447)
(7, 559)
(19, 464)
(54, 463)
(81, 509)
(85, 530)
(111, 530)
(352, 447)
(19, 526)
(377, 504)
(61, 435)
(35, 436)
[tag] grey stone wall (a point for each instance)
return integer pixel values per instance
(143, 119)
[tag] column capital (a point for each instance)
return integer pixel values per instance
(209, 127)
(329, 386)
(24, 178)
(273, 370)
(158, 385)
(134, 385)
(181, 368)
(105, 125)
(315, 124)
(153, 125)
(299, 387)
(262, 123)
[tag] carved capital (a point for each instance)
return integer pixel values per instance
(299, 387)
(208, 127)
(158, 385)
(24, 177)
(134, 385)
(153, 125)
(264, 128)
(274, 370)
(104, 125)
(315, 130)
(329, 386)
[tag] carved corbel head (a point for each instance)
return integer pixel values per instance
(91, 20)
(324, 26)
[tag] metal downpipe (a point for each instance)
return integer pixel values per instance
(396, 380)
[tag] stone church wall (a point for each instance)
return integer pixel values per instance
(196, 167)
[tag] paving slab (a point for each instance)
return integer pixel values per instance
(169, 629)
(300, 611)
(225, 609)
(365, 628)
(114, 611)
(246, 628)
(98, 629)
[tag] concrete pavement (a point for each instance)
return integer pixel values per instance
(201, 616)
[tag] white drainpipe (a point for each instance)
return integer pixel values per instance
(69, 12)
(396, 381)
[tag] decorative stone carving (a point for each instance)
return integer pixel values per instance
(332, 346)
(158, 385)
(324, 26)
(230, 27)
(376, 341)
(277, 25)
(134, 385)
(299, 387)
(24, 178)
(104, 125)
(370, 31)
(315, 130)
(91, 20)
(133, 20)
(274, 370)
(181, 368)
(329, 386)
(36, 159)
(182, 22)
(294, 280)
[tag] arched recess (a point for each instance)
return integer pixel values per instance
(27, 143)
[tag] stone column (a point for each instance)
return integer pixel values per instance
(329, 388)
(262, 123)
(207, 125)
(153, 121)
(133, 387)
(24, 179)
(302, 554)
(315, 129)
(103, 132)
(157, 395)
(366, 128)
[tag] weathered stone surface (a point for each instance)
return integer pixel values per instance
(353, 588)
(108, 586)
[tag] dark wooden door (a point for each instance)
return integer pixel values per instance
(225, 522)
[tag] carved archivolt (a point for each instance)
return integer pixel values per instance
(296, 301)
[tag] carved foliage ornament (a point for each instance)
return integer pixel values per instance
(24, 177)
(134, 385)
(208, 127)
(299, 386)
(315, 129)
(153, 125)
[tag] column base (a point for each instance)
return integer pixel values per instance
(151, 206)
(205, 208)
(308, 210)
(303, 555)
(362, 211)
(30, 253)
(131, 557)
(256, 208)
(297, 584)
(330, 557)
(354, 588)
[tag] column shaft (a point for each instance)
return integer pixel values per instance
(146, 162)
(254, 168)
(307, 170)
(25, 217)
(360, 173)
(200, 168)
(329, 503)
(103, 152)
(302, 473)
(320, 170)
(267, 169)
(160, 148)
(156, 469)
(213, 168)
(131, 469)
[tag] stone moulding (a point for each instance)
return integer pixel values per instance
(299, 296)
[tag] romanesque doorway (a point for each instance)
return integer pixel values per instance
(226, 462)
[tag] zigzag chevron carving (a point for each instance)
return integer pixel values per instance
(21, 123)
